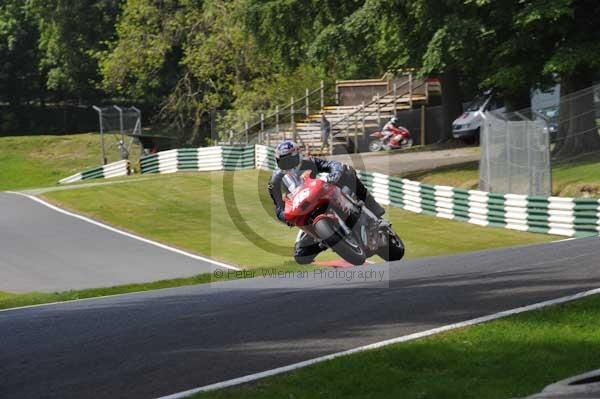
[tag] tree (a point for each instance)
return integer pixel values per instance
(72, 33)
(571, 38)
(186, 55)
(19, 76)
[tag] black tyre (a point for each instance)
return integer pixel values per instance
(346, 247)
(394, 250)
(477, 136)
(375, 145)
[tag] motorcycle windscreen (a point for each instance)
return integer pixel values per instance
(292, 182)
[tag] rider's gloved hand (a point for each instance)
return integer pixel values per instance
(282, 218)
(334, 177)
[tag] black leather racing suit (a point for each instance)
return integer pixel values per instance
(306, 248)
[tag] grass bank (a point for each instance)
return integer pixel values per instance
(508, 358)
(229, 216)
(34, 161)
(574, 178)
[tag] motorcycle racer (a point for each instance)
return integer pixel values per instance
(389, 129)
(289, 158)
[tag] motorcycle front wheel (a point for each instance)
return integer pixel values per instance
(394, 248)
(375, 145)
(345, 246)
(407, 144)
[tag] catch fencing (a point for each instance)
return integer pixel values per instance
(115, 169)
(515, 154)
(199, 159)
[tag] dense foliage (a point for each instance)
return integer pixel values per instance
(191, 57)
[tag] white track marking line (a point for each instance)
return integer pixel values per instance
(566, 239)
(115, 230)
(376, 345)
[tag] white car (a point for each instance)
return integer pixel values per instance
(467, 126)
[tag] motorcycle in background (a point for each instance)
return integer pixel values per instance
(335, 217)
(400, 139)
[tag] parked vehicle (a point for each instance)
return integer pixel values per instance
(336, 218)
(400, 139)
(467, 127)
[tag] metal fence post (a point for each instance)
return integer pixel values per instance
(292, 121)
(120, 122)
(138, 124)
(337, 93)
(306, 103)
(355, 134)
(362, 107)
(378, 111)
(395, 97)
(347, 131)
(423, 125)
(277, 122)
(262, 127)
(410, 89)
(322, 94)
(529, 168)
(99, 110)
(485, 141)
(509, 174)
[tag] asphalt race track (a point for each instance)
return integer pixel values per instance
(44, 250)
(157, 343)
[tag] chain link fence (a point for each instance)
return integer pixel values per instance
(515, 154)
(519, 149)
(118, 128)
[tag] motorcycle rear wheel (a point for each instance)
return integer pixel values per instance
(394, 250)
(346, 247)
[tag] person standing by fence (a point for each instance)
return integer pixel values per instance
(325, 131)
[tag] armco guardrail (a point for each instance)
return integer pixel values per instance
(115, 169)
(199, 159)
(265, 157)
(552, 215)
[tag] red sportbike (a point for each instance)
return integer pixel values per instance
(400, 139)
(335, 217)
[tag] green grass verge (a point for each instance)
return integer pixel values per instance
(195, 212)
(34, 161)
(229, 216)
(10, 300)
(507, 358)
(575, 178)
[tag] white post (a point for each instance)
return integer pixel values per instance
(99, 110)
(306, 102)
